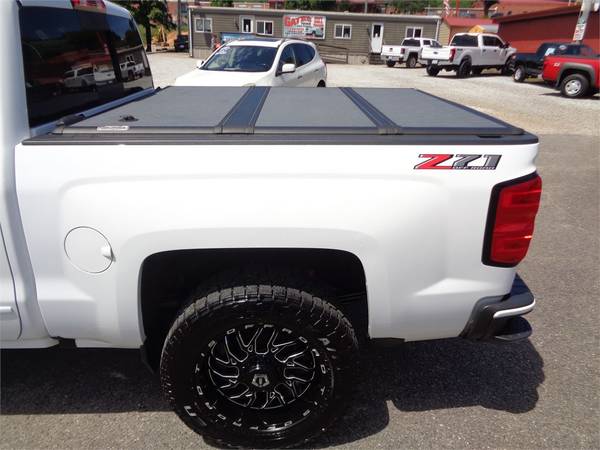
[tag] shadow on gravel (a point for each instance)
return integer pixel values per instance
(558, 94)
(412, 377)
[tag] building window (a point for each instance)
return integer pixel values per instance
(414, 32)
(343, 31)
(264, 27)
(202, 25)
(246, 24)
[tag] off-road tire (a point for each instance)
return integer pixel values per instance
(411, 62)
(575, 79)
(519, 75)
(321, 84)
(235, 307)
(432, 71)
(464, 69)
(390, 64)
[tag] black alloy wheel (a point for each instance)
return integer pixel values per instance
(259, 365)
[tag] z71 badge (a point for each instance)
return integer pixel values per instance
(459, 162)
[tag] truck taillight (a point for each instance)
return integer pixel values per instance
(452, 53)
(511, 219)
(402, 50)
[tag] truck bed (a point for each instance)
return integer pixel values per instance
(287, 115)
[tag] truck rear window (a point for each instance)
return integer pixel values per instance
(76, 60)
(411, 43)
(464, 40)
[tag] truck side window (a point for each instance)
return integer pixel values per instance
(464, 40)
(76, 60)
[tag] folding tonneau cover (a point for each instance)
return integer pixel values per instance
(288, 115)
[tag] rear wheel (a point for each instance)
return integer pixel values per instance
(321, 84)
(432, 71)
(519, 75)
(390, 63)
(258, 365)
(411, 62)
(574, 86)
(464, 69)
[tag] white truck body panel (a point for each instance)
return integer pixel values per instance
(141, 197)
(418, 234)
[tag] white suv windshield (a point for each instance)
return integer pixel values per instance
(241, 58)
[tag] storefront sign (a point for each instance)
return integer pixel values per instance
(304, 26)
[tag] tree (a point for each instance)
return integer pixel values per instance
(149, 13)
(227, 3)
(417, 6)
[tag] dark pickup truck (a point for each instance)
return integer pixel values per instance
(529, 65)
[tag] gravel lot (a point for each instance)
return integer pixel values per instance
(543, 393)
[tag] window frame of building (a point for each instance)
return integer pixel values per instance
(251, 19)
(412, 34)
(265, 22)
(342, 27)
(204, 21)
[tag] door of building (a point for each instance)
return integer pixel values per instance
(376, 37)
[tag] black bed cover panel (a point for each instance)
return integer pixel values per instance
(262, 113)
(290, 110)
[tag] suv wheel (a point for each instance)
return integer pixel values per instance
(390, 63)
(464, 69)
(258, 365)
(411, 62)
(519, 75)
(574, 86)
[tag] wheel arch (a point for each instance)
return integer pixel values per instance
(572, 68)
(168, 280)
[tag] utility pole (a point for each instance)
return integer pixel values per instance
(586, 7)
(457, 8)
(178, 18)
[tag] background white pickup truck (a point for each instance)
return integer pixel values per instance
(469, 53)
(247, 244)
(409, 50)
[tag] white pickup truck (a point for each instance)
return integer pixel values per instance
(469, 53)
(409, 50)
(247, 238)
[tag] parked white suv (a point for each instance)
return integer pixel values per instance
(469, 53)
(260, 62)
(409, 51)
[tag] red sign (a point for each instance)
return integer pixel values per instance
(304, 26)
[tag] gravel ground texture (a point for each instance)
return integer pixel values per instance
(541, 393)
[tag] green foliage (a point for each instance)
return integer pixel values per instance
(146, 11)
(417, 6)
(314, 5)
(227, 3)
(148, 14)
